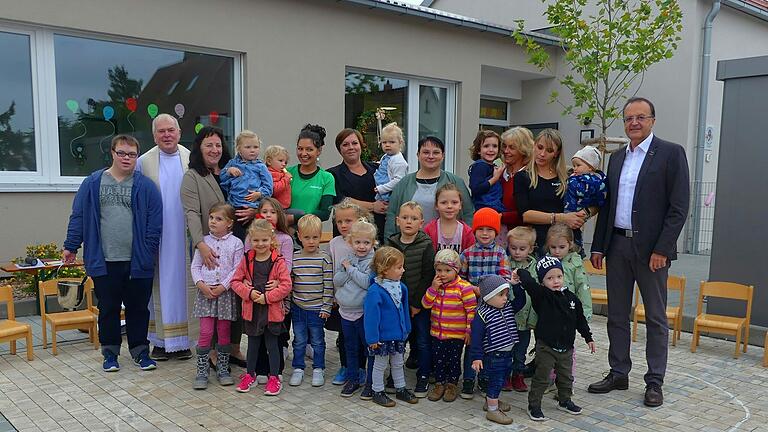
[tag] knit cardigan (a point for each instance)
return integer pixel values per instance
(382, 320)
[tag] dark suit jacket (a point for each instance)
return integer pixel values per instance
(660, 204)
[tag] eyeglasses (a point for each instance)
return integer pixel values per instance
(640, 118)
(122, 154)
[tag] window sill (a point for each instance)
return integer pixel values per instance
(39, 187)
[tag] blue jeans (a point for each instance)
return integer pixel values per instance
(496, 365)
(307, 327)
(354, 338)
(519, 351)
(421, 324)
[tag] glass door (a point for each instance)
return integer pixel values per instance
(434, 111)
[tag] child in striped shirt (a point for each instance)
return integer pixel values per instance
(453, 303)
(312, 299)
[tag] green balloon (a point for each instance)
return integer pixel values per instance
(72, 105)
(152, 110)
(198, 127)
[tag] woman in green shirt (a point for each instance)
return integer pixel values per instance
(312, 188)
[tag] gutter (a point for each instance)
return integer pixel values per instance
(748, 8)
(706, 55)
(439, 16)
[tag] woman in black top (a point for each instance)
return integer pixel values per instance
(354, 178)
(540, 188)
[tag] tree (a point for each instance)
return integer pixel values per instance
(608, 52)
(121, 87)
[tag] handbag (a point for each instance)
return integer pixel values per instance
(71, 294)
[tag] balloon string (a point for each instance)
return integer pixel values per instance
(71, 148)
(128, 117)
(107, 136)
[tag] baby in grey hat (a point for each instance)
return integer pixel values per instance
(587, 185)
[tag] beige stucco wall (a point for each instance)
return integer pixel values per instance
(295, 57)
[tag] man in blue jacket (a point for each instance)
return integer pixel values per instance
(117, 216)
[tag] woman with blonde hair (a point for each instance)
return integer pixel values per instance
(516, 149)
(539, 189)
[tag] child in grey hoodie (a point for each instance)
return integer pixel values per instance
(351, 282)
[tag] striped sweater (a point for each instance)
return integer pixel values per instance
(453, 308)
(312, 275)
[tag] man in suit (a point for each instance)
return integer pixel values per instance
(637, 234)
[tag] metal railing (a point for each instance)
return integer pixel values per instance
(699, 241)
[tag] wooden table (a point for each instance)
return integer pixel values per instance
(35, 271)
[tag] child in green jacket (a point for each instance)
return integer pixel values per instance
(521, 242)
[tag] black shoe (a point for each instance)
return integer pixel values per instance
(349, 389)
(405, 395)
(422, 387)
(653, 396)
(412, 362)
(468, 389)
(382, 399)
(609, 383)
(535, 414)
(569, 407)
(367, 393)
(159, 354)
(237, 362)
(389, 386)
(182, 355)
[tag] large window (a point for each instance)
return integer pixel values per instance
(64, 96)
(17, 123)
(421, 107)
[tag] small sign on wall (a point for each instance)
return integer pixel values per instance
(709, 137)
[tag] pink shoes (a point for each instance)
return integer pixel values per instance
(273, 386)
(246, 381)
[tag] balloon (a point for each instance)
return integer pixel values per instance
(108, 112)
(72, 105)
(131, 104)
(214, 116)
(152, 110)
(179, 108)
(198, 127)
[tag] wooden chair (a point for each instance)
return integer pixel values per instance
(598, 296)
(721, 323)
(674, 313)
(67, 320)
(765, 354)
(10, 329)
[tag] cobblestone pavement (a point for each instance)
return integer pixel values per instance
(705, 391)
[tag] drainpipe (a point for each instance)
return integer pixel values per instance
(706, 54)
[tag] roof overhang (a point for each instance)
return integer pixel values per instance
(750, 7)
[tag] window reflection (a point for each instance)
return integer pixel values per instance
(17, 127)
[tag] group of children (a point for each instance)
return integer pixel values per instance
(446, 288)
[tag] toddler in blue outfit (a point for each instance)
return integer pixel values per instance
(245, 178)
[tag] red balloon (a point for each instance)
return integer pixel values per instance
(214, 116)
(131, 104)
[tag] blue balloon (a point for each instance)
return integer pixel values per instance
(108, 112)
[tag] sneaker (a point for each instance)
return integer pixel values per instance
(451, 392)
(406, 395)
(518, 383)
(182, 355)
(318, 377)
(110, 363)
(367, 393)
(422, 385)
(412, 362)
(468, 389)
(507, 384)
(246, 381)
(296, 378)
(349, 389)
(389, 385)
(503, 406)
(382, 399)
(159, 354)
(569, 407)
(261, 379)
(144, 362)
(437, 392)
(341, 376)
(535, 414)
(273, 386)
(498, 416)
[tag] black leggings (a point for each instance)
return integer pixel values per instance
(270, 341)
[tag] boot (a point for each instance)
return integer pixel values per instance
(222, 372)
(201, 380)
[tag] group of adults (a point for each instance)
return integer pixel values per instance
(637, 230)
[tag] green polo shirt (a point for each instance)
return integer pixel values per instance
(308, 190)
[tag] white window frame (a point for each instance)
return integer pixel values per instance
(413, 114)
(495, 122)
(47, 177)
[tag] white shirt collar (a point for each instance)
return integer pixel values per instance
(643, 145)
